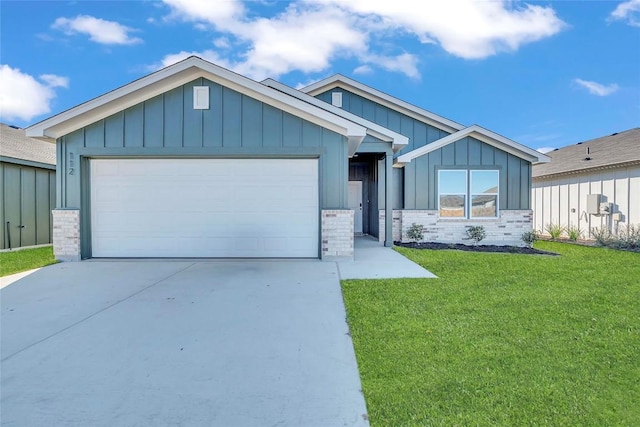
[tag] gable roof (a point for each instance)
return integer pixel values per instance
(176, 75)
(16, 147)
(617, 150)
(397, 140)
(482, 134)
(338, 80)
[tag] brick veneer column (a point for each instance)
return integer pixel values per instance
(66, 234)
(337, 234)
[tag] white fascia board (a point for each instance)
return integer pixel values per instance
(389, 101)
(480, 134)
(176, 75)
(398, 141)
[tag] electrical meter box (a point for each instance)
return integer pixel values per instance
(593, 204)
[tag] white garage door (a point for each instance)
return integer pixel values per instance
(204, 208)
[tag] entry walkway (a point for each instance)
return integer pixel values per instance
(372, 260)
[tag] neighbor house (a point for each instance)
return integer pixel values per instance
(197, 161)
(27, 180)
(591, 184)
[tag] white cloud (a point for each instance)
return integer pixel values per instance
(545, 150)
(629, 11)
(23, 97)
(484, 28)
(597, 88)
(99, 30)
(308, 34)
(363, 69)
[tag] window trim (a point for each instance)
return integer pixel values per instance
(468, 195)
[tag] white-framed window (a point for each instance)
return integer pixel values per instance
(466, 193)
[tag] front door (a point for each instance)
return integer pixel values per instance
(355, 203)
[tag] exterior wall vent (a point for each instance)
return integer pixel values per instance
(336, 99)
(201, 97)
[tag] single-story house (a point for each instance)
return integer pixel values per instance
(195, 160)
(591, 184)
(28, 185)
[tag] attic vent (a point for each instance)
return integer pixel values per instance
(14, 127)
(579, 143)
(614, 134)
(201, 97)
(336, 99)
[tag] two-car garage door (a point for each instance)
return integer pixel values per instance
(204, 208)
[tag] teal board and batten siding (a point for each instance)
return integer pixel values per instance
(235, 126)
(418, 179)
(28, 196)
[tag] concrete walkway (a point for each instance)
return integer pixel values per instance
(374, 261)
(7, 280)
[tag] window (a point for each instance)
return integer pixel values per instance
(456, 201)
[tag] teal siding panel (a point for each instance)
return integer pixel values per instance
(311, 135)
(231, 118)
(462, 151)
(381, 115)
(423, 182)
(251, 122)
(291, 130)
(398, 188)
(52, 200)
(271, 126)
(334, 171)
(212, 118)
(11, 204)
(355, 104)
(192, 130)
(326, 97)
(393, 122)
(133, 126)
(114, 130)
(410, 185)
(173, 123)
(2, 207)
(420, 132)
(487, 155)
(368, 110)
(513, 182)
(475, 150)
(94, 135)
(449, 155)
(74, 141)
(28, 208)
(435, 161)
(154, 122)
(525, 185)
(433, 134)
(501, 164)
(43, 232)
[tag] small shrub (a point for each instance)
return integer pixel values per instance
(629, 236)
(603, 236)
(416, 232)
(476, 233)
(530, 237)
(554, 230)
(574, 232)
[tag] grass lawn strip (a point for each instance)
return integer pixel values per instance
(502, 339)
(17, 261)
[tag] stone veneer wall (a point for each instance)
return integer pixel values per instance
(337, 234)
(66, 234)
(505, 230)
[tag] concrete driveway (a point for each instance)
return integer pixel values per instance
(179, 343)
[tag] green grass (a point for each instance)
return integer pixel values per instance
(502, 339)
(25, 259)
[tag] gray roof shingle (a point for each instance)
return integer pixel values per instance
(15, 144)
(607, 151)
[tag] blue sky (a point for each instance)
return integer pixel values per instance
(546, 74)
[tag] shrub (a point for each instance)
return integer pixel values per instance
(603, 236)
(555, 230)
(574, 232)
(416, 232)
(476, 233)
(530, 237)
(629, 236)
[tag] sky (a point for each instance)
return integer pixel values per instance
(545, 74)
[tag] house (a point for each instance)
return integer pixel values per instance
(197, 161)
(27, 179)
(591, 184)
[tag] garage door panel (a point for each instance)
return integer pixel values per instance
(204, 208)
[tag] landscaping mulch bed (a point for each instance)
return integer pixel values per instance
(477, 248)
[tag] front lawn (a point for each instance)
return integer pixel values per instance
(502, 339)
(25, 259)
